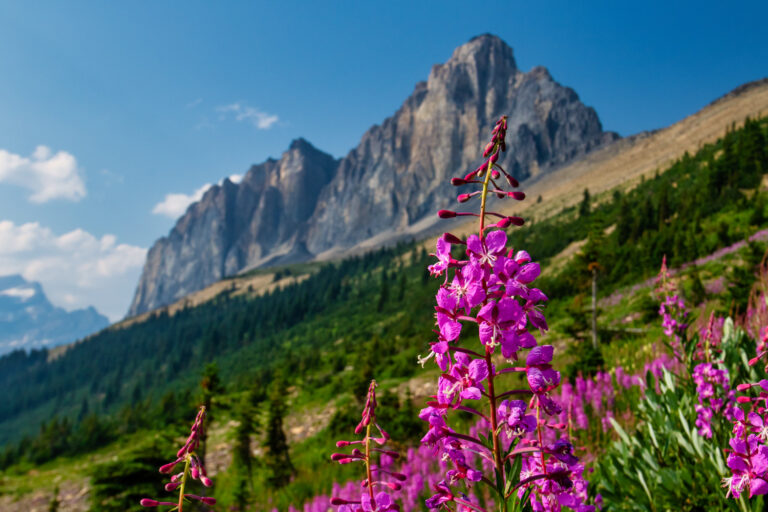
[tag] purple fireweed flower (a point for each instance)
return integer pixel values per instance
(443, 254)
(512, 416)
(464, 379)
(497, 322)
(193, 468)
(447, 305)
(492, 287)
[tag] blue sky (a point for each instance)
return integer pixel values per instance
(133, 101)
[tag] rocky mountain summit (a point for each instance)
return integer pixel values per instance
(308, 205)
(28, 320)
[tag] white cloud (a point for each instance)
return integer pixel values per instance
(175, 205)
(76, 269)
(259, 119)
(19, 293)
(48, 175)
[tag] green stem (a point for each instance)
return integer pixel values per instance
(187, 462)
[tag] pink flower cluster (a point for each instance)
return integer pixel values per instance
(715, 396)
(492, 287)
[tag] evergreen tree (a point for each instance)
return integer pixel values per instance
(584, 207)
(277, 457)
(211, 386)
(758, 212)
(242, 459)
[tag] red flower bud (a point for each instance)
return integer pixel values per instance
(495, 174)
(743, 387)
(488, 149)
(342, 444)
(517, 195)
(512, 181)
(457, 182)
(463, 198)
(451, 239)
(444, 214)
(743, 399)
(146, 502)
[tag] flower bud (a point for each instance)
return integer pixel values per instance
(451, 239)
(342, 444)
(517, 195)
(457, 182)
(512, 181)
(495, 174)
(743, 387)
(463, 198)
(171, 486)
(444, 214)
(488, 149)
(169, 467)
(743, 399)
(495, 157)
(206, 481)
(146, 502)
(208, 501)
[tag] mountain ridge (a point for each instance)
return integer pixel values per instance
(28, 320)
(308, 205)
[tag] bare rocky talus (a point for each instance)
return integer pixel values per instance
(308, 205)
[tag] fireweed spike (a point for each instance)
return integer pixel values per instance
(193, 468)
(373, 496)
(493, 287)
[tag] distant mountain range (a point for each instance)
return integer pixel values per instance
(28, 320)
(308, 205)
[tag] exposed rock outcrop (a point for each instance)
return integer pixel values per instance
(307, 204)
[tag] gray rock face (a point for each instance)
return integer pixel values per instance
(307, 204)
(28, 320)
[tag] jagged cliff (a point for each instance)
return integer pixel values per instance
(307, 204)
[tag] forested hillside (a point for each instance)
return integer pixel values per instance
(370, 315)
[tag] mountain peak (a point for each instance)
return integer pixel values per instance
(311, 205)
(485, 49)
(28, 320)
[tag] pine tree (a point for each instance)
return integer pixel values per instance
(242, 459)
(584, 207)
(277, 457)
(211, 386)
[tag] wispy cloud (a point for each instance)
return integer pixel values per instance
(194, 103)
(76, 269)
(254, 116)
(47, 175)
(175, 204)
